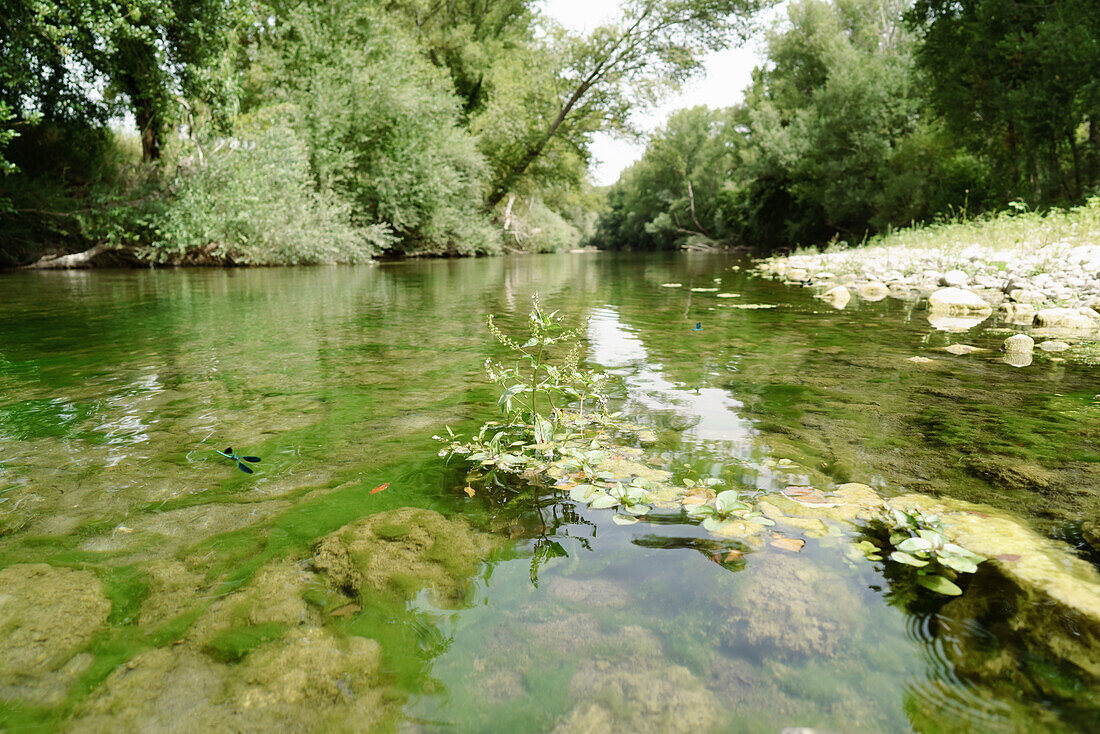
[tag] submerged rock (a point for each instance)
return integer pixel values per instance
(48, 616)
(1029, 559)
(961, 349)
(643, 697)
(791, 610)
(1053, 346)
(958, 301)
(401, 551)
(308, 681)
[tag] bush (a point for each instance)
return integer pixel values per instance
(252, 200)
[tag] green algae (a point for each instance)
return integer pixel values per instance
(231, 645)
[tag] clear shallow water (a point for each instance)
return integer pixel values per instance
(115, 387)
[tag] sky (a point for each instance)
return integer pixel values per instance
(725, 77)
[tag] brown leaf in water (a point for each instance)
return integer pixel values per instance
(345, 611)
(1008, 557)
(798, 491)
(469, 491)
(694, 499)
(790, 544)
(734, 555)
(379, 488)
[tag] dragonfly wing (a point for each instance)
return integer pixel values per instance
(253, 459)
(243, 467)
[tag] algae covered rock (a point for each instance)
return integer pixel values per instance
(791, 610)
(308, 681)
(1027, 558)
(642, 698)
(400, 552)
(47, 617)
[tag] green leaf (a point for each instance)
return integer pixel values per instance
(713, 524)
(603, 502)
(624, 519)
(637, 509)
(584, 493)
(915, 545)
(958, 563)
(940, 585)
(726, 502)
(903, 557)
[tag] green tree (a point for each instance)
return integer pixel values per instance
(1019, 82)
(599, 78)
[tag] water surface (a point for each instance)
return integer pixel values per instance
(116, 387)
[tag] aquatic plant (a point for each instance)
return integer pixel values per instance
(548, 406)
(919, 541)
(728, 507)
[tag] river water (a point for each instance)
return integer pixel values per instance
(117, 387)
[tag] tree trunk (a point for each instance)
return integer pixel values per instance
(149, 126)
(69, 262)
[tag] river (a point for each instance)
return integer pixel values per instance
(160, 604)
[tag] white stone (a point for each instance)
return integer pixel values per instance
(1053, 346)
(837, 297)
(958, 301)
(1064, 318)
(955, 279)
(1019, 343)
(873, 291)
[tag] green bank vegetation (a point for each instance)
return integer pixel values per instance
(869, 115)
(288, 131)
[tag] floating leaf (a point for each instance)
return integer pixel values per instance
(694, 499)
(584, 493)
(713, 524)
(788, 544)
(940, 585)
(734, 555)
(915, 545)
(380, 487)
(603, 502)
(728, 502)
(620, 519)
(962, 564)
(903, 557)
(469, 491)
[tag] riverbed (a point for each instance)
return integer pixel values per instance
(351, 583)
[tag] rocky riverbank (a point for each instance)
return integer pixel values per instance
(1050, 291)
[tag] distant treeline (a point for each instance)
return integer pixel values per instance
(287, 131)
(874, 114)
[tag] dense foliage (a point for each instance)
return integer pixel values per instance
(288, 131)
(872, 114)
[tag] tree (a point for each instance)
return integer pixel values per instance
(73, 60)
(602, 76)
(1019, 82)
